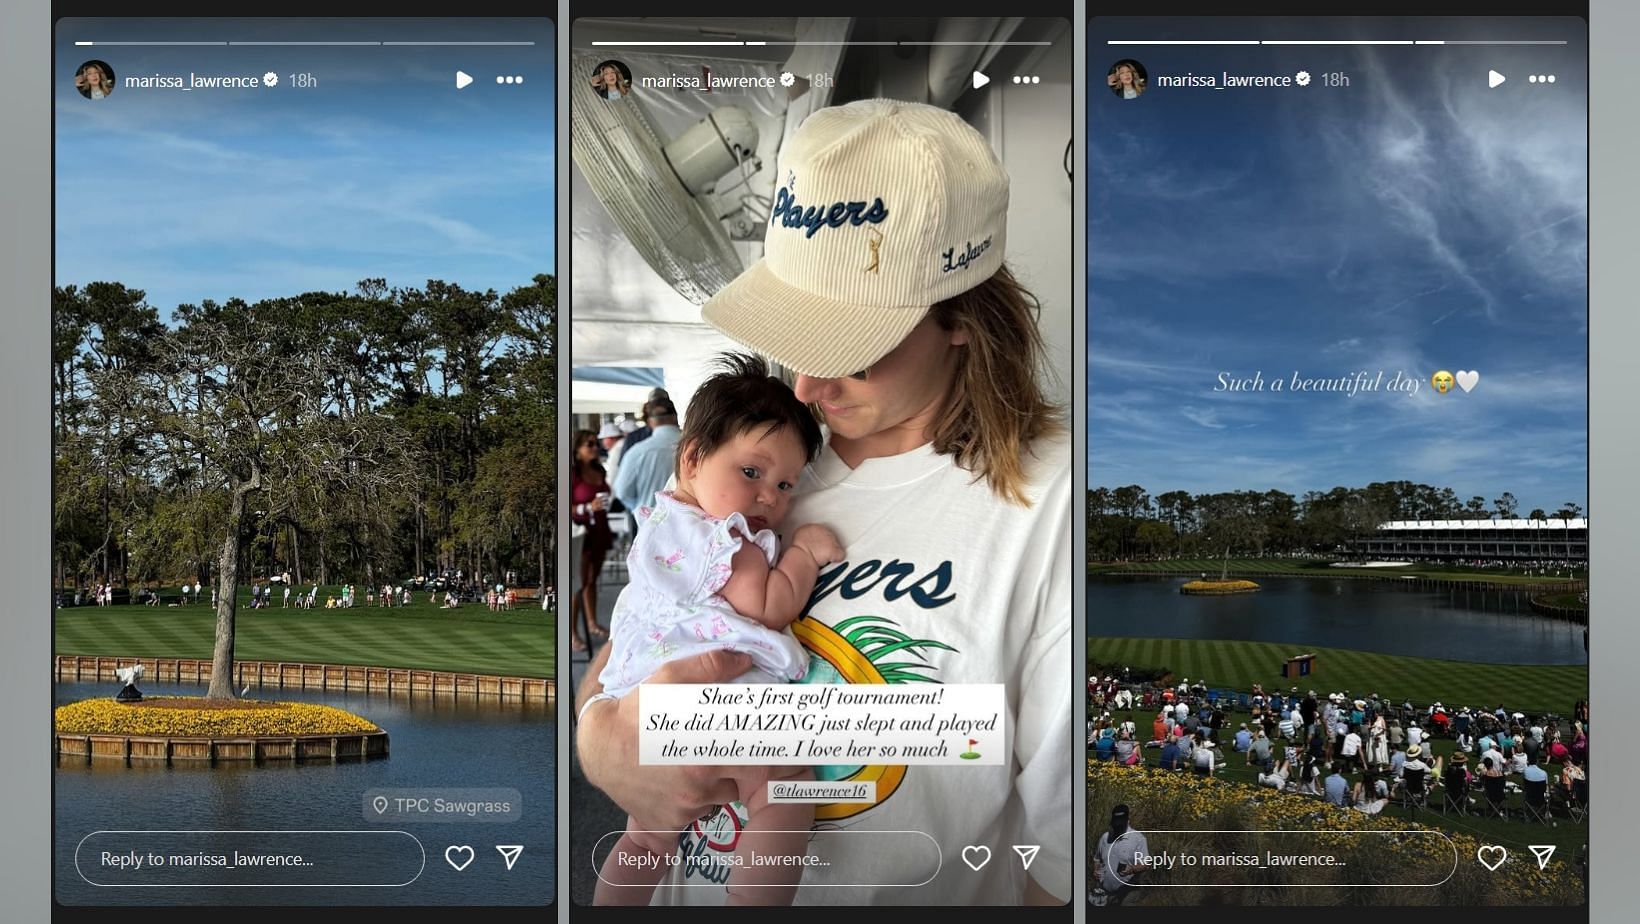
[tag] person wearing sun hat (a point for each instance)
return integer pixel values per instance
(946, 473)
(609, 437)
(1415, 756)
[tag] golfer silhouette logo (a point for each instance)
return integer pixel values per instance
(874, 245)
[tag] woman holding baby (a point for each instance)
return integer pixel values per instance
(945, 478)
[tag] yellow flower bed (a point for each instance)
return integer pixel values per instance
(1218, 587)
(1164, 800)
(180, 717)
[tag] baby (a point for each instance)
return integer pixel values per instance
(707, 573)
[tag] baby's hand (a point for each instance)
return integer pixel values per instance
(819, 542)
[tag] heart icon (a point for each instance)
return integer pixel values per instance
(1492, 856)
(1466, 379)
(976, 856)
(463, 852)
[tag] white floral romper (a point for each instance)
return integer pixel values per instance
(671, 608)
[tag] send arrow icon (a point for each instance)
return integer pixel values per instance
(1543, 852)
(510, 852)
(1027, 853)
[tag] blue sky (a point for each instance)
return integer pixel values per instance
(1415, 221)
(384, 170)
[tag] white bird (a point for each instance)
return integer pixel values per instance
(246, 690)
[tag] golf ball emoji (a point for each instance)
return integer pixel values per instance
(1442, 381)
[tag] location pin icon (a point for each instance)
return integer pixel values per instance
(380, 802)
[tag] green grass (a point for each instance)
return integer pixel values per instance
(471, 639)
(1237, 665)
(1320, 567)
(1511, 833)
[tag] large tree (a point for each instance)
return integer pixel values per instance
(231, 392)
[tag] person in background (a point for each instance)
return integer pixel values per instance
(589, 497)
(1337, 787)
(1205, 758)
(1119, 857)
(642, 432)
(609, 437)
(646, 467)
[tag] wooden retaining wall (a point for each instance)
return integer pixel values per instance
(1552, 611)
(300, 676)
(129, 748)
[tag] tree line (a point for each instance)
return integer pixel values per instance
(365, 436)
(1127, 522)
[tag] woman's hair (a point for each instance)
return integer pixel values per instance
(582, 437)
(623, 83)
(103, 71)
(742, 397)
(1138, 77)
(996, 408)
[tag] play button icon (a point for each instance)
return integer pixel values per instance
(1493, 78)
(980, 80)
(463, 79)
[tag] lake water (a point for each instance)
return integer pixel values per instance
(1366, 615)
(441, 742)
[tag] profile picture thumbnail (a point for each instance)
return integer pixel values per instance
(612, 79)
(1127, 78)
(94, 79)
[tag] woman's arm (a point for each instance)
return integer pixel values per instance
(661, 798)
(578, 513)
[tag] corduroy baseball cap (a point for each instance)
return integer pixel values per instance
(883, 209)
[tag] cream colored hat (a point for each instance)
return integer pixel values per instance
(883, 208)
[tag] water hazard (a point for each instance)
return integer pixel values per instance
(1365, 615)
(437, 742)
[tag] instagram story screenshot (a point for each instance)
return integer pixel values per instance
(303, 405)
(1337, 512)
(821, 494)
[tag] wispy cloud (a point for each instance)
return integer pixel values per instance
(1415, 222)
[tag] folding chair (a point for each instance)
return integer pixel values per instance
(1577, 800)
(1455, 795)
(1414, 789)
(1495, 796)
(1537, 802)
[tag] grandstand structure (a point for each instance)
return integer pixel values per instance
(1512, 540)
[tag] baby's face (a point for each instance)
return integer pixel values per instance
(752, 474)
